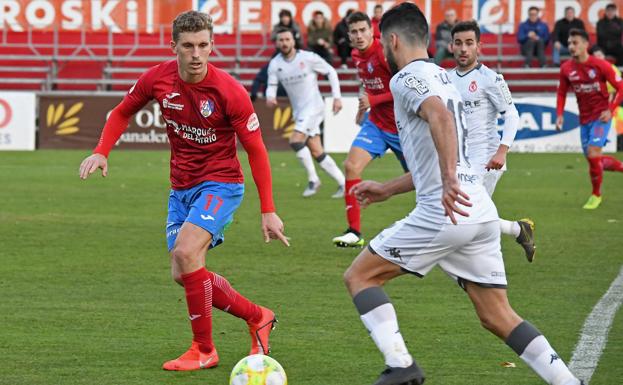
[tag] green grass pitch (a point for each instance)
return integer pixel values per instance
(86, 295)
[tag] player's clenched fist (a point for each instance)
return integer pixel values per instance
(92, 163)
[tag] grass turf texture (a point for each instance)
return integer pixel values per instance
(86, 294)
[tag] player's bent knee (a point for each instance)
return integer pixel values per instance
(297, 146)
(182, 256)
(319, 156)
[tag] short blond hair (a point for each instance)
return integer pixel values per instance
(191, 21)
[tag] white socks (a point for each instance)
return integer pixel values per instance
(542, 358)
(382, 324)
(510, 227)
(304, 155)
(533, 348)
(328, 164)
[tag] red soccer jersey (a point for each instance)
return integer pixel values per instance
(589, 82)
(375, 75)
(202, 122)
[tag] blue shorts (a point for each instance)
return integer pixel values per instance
(209, 205)
(376, 141)
(594, 133)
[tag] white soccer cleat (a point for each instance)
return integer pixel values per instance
(348, 239)
(312, 189)
(339, 193)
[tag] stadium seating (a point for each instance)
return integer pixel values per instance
(49, 60)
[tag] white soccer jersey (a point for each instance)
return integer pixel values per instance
(485, 95)
(299, 78)
(415, 83)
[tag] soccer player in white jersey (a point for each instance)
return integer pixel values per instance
(485, 96)
(454, 224)
(297, 71)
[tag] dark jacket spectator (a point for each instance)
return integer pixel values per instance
(443, 36)
(259, 84)
(560, 35)
(533, 36)
(286, 21)
(609, 32)
(341, 39)
(320, 36)
(375, 20)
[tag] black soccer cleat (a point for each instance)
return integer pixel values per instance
(526, 238)
(411, 375)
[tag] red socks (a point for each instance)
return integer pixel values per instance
(353, 211)
(205, 289)
(226, 298)
(611, 163)
(596, 171)
(198, 287)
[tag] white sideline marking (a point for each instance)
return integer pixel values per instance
(595, 332)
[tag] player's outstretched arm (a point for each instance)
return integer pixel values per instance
(92, 163)
(443, 131)
(369, 191)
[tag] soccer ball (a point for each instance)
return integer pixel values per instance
(258, 369)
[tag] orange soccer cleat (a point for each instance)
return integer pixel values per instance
(193, 359)
(260, 332)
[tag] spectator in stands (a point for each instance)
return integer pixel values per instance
(533, 36)
(341, 39)
(286, 21)
(320, 36)
(375, 20)
(258, 88)
(560, 36)
(443, 36)
(609, 32)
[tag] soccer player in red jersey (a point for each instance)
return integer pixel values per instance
(205, 110)
(378, 129)
(588, 77)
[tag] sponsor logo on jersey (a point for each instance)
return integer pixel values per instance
(587, 88)
(592, 73)
(172, 95)
(253, 123)
(207, 108)
(419, 85)
(196, 134)
(473, 86)
(166, 104)
(302, 65)
(370, 67)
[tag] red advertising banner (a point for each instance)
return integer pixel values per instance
(258, 16)
(70, 121)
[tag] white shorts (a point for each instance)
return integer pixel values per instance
(490, 179)
(309, 124)
(466, 252)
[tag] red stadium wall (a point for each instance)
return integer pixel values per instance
(256, 16)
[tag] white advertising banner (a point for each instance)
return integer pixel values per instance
(340, 129)
(536, 133)
(17, 121)
(537, 127)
